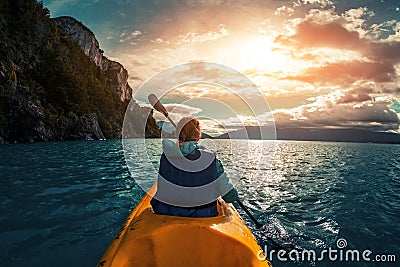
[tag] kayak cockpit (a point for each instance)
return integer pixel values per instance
(148, 239)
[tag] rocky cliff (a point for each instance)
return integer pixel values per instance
(116, 75)
(55, 82)
(85, 39)
(90, 46)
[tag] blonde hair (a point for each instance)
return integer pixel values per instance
(188, 129)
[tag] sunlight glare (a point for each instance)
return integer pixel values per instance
(261, 53)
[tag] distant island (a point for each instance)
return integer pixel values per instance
(314, 134)
(302, 134)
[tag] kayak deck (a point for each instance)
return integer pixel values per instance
(147, 239)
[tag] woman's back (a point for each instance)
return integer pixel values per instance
(190, 177)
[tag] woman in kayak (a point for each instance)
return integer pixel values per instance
(190, 177)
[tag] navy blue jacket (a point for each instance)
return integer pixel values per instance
(178, 171)
(190, 180)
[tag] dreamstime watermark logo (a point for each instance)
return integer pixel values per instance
(225, 99)
(338, 254)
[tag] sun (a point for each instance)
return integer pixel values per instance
(263, 54)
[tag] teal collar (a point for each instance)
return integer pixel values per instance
(171, 149)
(188, 147)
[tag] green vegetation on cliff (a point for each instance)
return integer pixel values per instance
(48, 86)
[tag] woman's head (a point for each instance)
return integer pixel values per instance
(188, 129)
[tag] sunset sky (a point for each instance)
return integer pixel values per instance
(318, 63)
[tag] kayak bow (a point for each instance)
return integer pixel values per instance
(148, 239)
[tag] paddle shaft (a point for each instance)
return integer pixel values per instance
(171, 121)
(259, 225)
(248, 213)
(155, 102)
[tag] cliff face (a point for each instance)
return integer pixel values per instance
(84, 37)
(90, 46)
(116, 75)
(55, 82)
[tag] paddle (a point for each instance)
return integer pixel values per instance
(153, 99)
(259, 225)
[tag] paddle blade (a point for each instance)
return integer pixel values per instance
(153, 99)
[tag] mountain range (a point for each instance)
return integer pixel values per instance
(314, 134)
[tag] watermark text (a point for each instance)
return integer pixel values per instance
(339, 254)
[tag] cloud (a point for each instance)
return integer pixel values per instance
(322, 16)
(177, 112)
(338, 110)
(345, 73)
(373, 60)
(160, 41)
(322, 3)
(136, 33)
(388, 51)
(183, 110)
(195, 38)
(355, 21)
(124, 36)
(390, 28)
(333, 56)
(348, 34)
(216, 102)
(311, 34)
(356, 95)
(212, 127)
(360, 67)
(284, 11)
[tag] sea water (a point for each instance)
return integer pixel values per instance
(63, 202)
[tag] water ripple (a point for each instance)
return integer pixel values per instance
(62, 203)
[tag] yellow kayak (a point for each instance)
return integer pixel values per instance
(148, 239)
